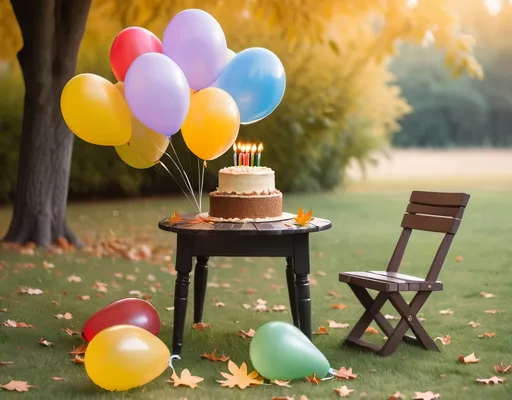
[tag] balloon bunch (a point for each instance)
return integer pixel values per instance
(190, 81)
(124, 351)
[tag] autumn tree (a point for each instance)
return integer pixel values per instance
(52, 30)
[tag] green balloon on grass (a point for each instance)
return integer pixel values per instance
(281, 351)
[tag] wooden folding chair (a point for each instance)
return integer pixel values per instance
(427, 211)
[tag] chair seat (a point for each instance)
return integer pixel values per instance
(389, 281)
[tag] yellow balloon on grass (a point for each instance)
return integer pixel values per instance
(145, 147)
(212, 123)
(124, 357)
(96, 111)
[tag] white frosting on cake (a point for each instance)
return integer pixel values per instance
(260, 180)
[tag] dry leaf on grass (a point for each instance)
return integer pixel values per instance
(213, 357)
(426, 395)
(343, 391)
(471, 359)
(332, 293)
(303, 219)
(320, 273)
(396, 396)
(70, 332)
(448, 311)
(186, 379)
(78, 350)
(474, 324)
(501, 369)
(239, 377)
(84, 297)
(280, 383)
(64, 316)
(286, 398)
(100, 287)
(220, 304)
(389, 316)
(487, 335)
(371, 330)
(58, 378)
(12, 362)
(442, 376)
(493, 380)
(243, 334)
(74, 278)
(339, 306)
(30, 291)
(44, 342)
(200, 326)
(444, 340)
(18, 386)
(78, 359)
(13, 324)
(337, 325)
(279, 307)
(487, 295)
(493, 311)
(321, 331)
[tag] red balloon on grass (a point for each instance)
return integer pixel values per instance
(128, 45)
(129, 311)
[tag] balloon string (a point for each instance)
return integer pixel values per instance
(173, 357)
(175, 180)
(196, 206)
(184, 172)
(331, 371)
(201, 187)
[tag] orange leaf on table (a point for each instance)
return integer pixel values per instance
(501, 369)
(243, 334)
(487, 335)
(18, 386)
(78, 359)
(339, 306)
(303, 219)
(337, 325)
(200, 326)
(426, 395)
(175, 217)
(371, 330)
(487, 295)
(314, 380)
(321, 331)
(186, 379)
(471, 359)
(493, 380)
(344, 373)
(78, 350)
(280, 383)
(396, 396)
(444, 340)
(343, 391)
(44, 342)
(239, 377)
(213, 357)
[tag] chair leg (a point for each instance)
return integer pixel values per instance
(292, 295)
(200, 281)
(373, 307)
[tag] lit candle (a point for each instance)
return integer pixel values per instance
(240, 159)
(247, 154)
(258, 155)
(253, 150)
(234, 155)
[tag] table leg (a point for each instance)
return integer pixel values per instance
(302, 270)
(200, 280)
(292, 295)
(183, 268)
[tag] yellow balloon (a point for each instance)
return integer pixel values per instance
(96, 111)
(123, 357)
(212, 123)
(145, 147)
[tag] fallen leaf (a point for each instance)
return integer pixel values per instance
(100, 286)
(131, 278)
(303, 397)
(426, 395)
(58, 378)
(502, 369)
(458, 258)
(332, 293)
(444, 340)
(74, 278)
(371, 330)
(303, 219)
(337, 325)
(471, 359)
(70, 332)
(279, 307)
(321, 331)
(474, 324)
(200, 326)
(339, 306)
(78, 350)
(344, 373)
(487, 295)
(487, 335)
(280, 383)
(286, 398)
(493, 311)
(77, 359)
(442, 376)
(314, 380)
(243, 334)
(18, 386)
(65, 316)
(396, 396)
(251, 291)
(343, 391)
(13, 324)
(12, 362)
(175, 217)
(493, 380)
(246, 306)
(448, 311)
(44, 342)
(186, 379)
(389, 316)
(239, 377)
(213, 357)
(220, 304)
(83, 297)
(170, 308)
(320, 273)
(30, 291)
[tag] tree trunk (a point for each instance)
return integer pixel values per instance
(52, 31)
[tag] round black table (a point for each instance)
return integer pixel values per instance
(197, 237)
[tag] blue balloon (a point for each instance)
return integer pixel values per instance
(256, 80)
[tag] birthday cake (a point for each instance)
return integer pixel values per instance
(246, 192)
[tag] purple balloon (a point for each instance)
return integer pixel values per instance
(196, 42)
(157, 92)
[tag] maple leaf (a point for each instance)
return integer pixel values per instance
(343, 391)
(12, 362)
(77, 359)
(213, 357)
(83, 297)
(321, 331)
(444, 340)
(371, 330)
(65, 316)
(487, 335)
(74, 278)
(314, 380)
(321, 273)
(487, 295)
(493, 311)
(471, 359)
(186, 379)
(30, 291)
(220, 304)
(493, 380)
(78, 350)
(396, 396)
(426, 395)
(303, 219)
(199, 326)
(13, 324)
(18, 386)
(332, 293)
(280, 383)
(243, 334)
(337, 325)
(344, 373)
(58, 378)
(44, 342)
(502, 369)
(448, 311)
(100, 286)
(339, 306)
(70, 332)
(175, 217)
(239, 377)
(279, 307)
(474, 324)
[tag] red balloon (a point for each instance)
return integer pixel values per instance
(129, 311)
(128, 45)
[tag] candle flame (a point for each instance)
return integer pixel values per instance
(253, 148)
(239, 147)
(234, 147)
(260, 147)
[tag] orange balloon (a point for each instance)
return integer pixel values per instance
(212, 123)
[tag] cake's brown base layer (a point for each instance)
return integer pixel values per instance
(227, 206)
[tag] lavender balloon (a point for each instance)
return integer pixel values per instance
(196, 42)
(157, 92)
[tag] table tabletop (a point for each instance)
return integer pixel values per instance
(193, 224)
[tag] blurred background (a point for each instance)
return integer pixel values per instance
(376, 91)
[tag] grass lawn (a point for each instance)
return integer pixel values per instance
(365, 229)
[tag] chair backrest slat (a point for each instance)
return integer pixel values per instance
(440, 199)
(455, 212)
(430, 223)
